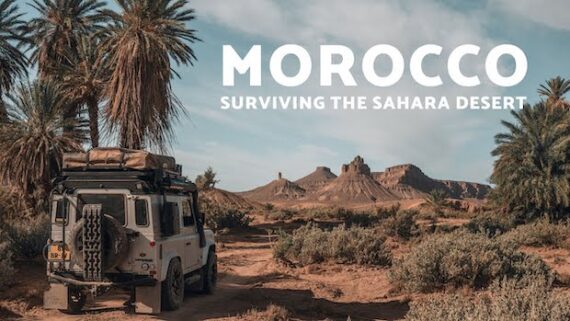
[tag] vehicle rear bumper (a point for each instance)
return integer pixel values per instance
(140, 281)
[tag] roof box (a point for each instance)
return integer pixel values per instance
(118, 158)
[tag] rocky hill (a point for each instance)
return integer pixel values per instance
(316, 180)
(229, 199)
(459, 189)
(355, 184)
(280, 189)
(408, 182)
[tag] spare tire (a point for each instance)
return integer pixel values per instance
(115, 242)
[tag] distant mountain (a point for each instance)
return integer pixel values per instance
(316, 180)
(357, 185)
(407, 181)
(458, 189)
(280, 189)
(229, 199)
(354, 185)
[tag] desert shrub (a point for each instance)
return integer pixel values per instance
(402, 225)
(539, 233)
(362, 219)
(508, 301)
(271, 313)
(6, 262)
(425, 230)
(387, 212)
(220, 217)
(348, 217)
(280, 215)
(28, 237)
(489, 224)
(318, 213)
(310, 244)
(462, 259)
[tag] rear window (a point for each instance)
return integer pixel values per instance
(111, 204)
(59, 213)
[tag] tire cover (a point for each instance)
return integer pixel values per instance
(115, 242)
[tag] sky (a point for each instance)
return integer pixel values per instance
(247, 148)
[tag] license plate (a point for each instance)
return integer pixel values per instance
(55, 252)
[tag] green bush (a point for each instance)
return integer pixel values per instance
(402, 225)
(310, 244)
(508, 301)
(539, 233)
(28, 237)
(462, 259)
(489, 224)
(219, 217)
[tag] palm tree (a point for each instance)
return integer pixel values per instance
(142, 41)
(84, 79)
(554, 91)
(532, 172)
(13, 62)
(56, 34)
(58, 29)
(32, 140)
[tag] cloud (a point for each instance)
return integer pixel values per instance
(358, 22)
(434, 140)
(552, 13)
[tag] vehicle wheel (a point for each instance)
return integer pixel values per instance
(173, 286)
(210, 273)
(75, 301)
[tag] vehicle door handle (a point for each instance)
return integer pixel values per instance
(188, 243)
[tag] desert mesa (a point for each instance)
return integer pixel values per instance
(358, 187)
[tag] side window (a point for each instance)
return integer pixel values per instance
(187, 212)
(141, 213)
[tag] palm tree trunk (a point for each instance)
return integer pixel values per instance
(70, 114)
(93, 111)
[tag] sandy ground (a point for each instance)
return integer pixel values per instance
(249, 278)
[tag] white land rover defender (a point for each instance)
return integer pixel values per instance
(128, 219)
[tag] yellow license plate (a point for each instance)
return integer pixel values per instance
(55, 252)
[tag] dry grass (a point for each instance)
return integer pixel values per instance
(271, 313)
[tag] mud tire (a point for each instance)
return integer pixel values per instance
(173, 287)
(210, 273)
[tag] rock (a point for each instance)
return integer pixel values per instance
(354, 185)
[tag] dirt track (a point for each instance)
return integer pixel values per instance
(249, 278)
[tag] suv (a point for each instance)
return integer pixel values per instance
(128, 219)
